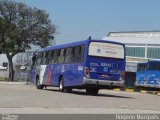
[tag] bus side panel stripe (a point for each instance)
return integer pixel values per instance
(49, 76)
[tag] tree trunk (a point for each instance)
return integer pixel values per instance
(11, 71)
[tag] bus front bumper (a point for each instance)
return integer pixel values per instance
(103, 82)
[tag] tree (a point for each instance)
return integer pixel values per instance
(22, 26)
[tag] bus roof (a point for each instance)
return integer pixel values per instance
(77, 43)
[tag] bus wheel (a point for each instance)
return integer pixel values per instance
(92, 91)
(67, 90)
(61, 85)
(137, 89)
(38, 85)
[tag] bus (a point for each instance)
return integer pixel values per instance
(88, 64)
(148, 74)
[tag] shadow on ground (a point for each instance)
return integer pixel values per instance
(76, 92)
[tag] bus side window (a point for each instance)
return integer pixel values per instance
(79, 51)
(72, 51)
(67, 56)
(77, 54)
(65, 50)
(47, 58)
(44, 58)
(56, 56)
(38, 59)
(52, 57)
(72, 56)
(82, 52)
(34, 59)
(41, 58)
(61, 57)
(141, 67)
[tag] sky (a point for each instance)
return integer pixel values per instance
(78, 19)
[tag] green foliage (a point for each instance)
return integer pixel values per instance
(21, 26)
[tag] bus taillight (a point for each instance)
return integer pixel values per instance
(86, 71)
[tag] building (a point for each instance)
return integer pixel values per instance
(21, 62)
(4, 71)
(21, 66)
(140, 46)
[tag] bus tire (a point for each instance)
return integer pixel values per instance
(67, 90)
(137, 88)
(38, 85)
(61, 84)
(92, 91)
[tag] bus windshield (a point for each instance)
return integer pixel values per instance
(108, 50)
(154, 65)
(142, 67)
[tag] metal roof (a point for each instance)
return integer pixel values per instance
(135, 34)
(142, 37)
(132, 40)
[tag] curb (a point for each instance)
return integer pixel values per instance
(117, 89)
(129, 90)
(143, 91)
(14, 83)
(126, 89)
(150, 92)
(154, 92)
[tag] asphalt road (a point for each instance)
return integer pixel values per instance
(27, 99)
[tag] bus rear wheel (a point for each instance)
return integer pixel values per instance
(92, 91)
(38, 85)
(67, 90)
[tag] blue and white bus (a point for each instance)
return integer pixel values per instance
(89, 64)
(148, 74)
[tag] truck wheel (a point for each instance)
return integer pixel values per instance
(38, 85)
